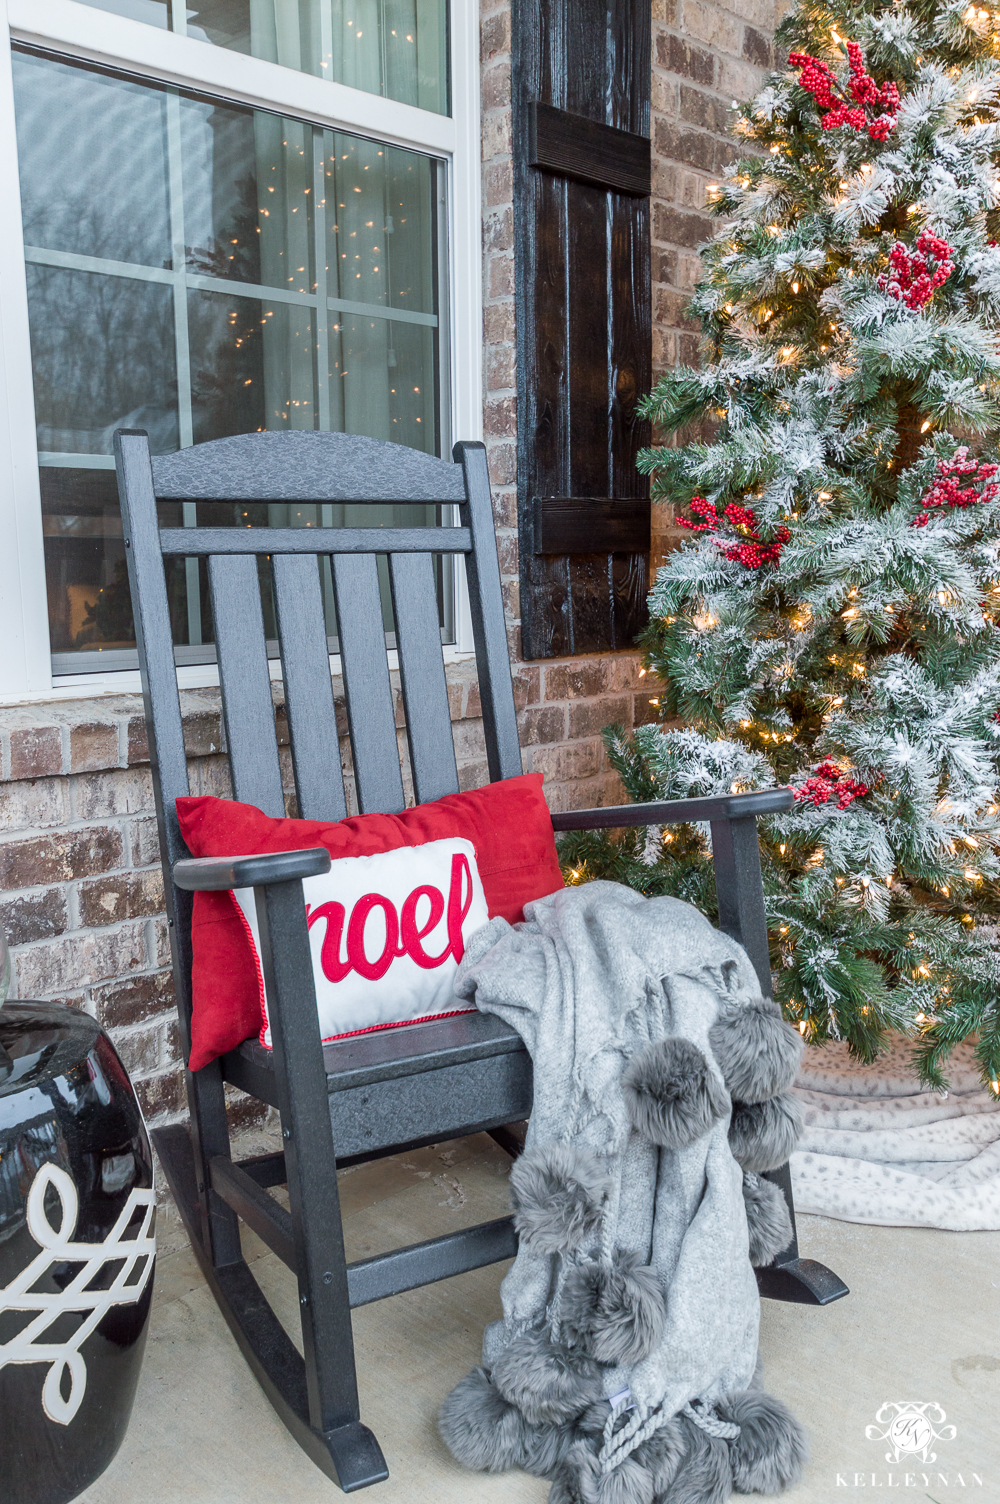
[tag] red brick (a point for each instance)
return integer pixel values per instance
(503, 463)
(505, 509)
(677, 56)
(144, 842)
(500, 368)
(33, 916)
(125, 895)
(498, 183)
(590, 717)
(122, 791)
(756, 48)
(134, 999)
(138, 1049)
(507, 553)
(498, 323)
(527, 686)
(562, 764)
(496, 85)
(498, 230)
(93, 745)
(161, 1094)
(53, 967)
(203, 734)
(547, 724)
(500, 281)
(138, 743)
(59, 856)
(494, 36)
(500, 418)
(35, 751)
(571, 681)
(677, 228)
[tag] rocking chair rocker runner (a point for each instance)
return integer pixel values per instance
(360, 1098)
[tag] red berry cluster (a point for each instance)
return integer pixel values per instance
(751, 550)
(828, 782)
(947, 491)
(913, 279)
(819, 80)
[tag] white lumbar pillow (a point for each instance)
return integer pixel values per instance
(386, 934)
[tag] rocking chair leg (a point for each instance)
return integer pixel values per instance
(314, 1201)
(736, 858)
(348, 1454)
(793, 1278)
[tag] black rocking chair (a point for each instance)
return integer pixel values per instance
(366, 1097)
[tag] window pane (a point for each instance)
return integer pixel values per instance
(396, 48)
(199, 270)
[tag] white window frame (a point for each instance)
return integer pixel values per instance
(82, 31)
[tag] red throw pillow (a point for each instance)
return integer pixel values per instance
(507, 822)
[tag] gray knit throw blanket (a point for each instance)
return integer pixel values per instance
(625, 1365)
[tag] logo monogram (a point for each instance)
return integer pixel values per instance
(909, 1429)
(404, 932)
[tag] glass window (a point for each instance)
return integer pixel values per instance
(200, 269)
(396, 48)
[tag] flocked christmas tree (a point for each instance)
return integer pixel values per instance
(831, 619)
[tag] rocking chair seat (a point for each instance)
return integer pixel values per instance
(420, 1083)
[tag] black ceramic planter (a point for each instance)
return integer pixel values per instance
(76, 1251)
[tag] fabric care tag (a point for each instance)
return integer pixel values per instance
(386, 934)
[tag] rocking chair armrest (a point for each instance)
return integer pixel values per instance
(676, 811)
(208, 874)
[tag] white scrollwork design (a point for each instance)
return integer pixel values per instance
(137, 1254)
(909, 1428)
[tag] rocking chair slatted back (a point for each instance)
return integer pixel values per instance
(370, 711)
(421, 668)
(247, 706)
(309, 705)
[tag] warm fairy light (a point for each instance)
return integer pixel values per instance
(802, 1030)
(972, 877)
(995, 1086)
(782, 849)
(654, 702)
(641, 672)
(925, 425)
(795, 287)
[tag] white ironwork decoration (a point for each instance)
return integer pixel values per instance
(57, 1247)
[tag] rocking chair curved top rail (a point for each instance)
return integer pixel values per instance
(360, 1098)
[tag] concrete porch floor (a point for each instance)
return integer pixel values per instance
(922, 1324)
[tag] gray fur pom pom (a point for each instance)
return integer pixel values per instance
(548, 1384)
(584, 1483)
(546, 1448)
(758, 1052)
(480, 1428)
(662, 1453)
(768, 1220)
(558, 1194)
(615, 1313)
(771, 1450)
(671, 1095)
(763, 1134)
(705, 1475)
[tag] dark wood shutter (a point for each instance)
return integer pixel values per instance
(581, 81)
